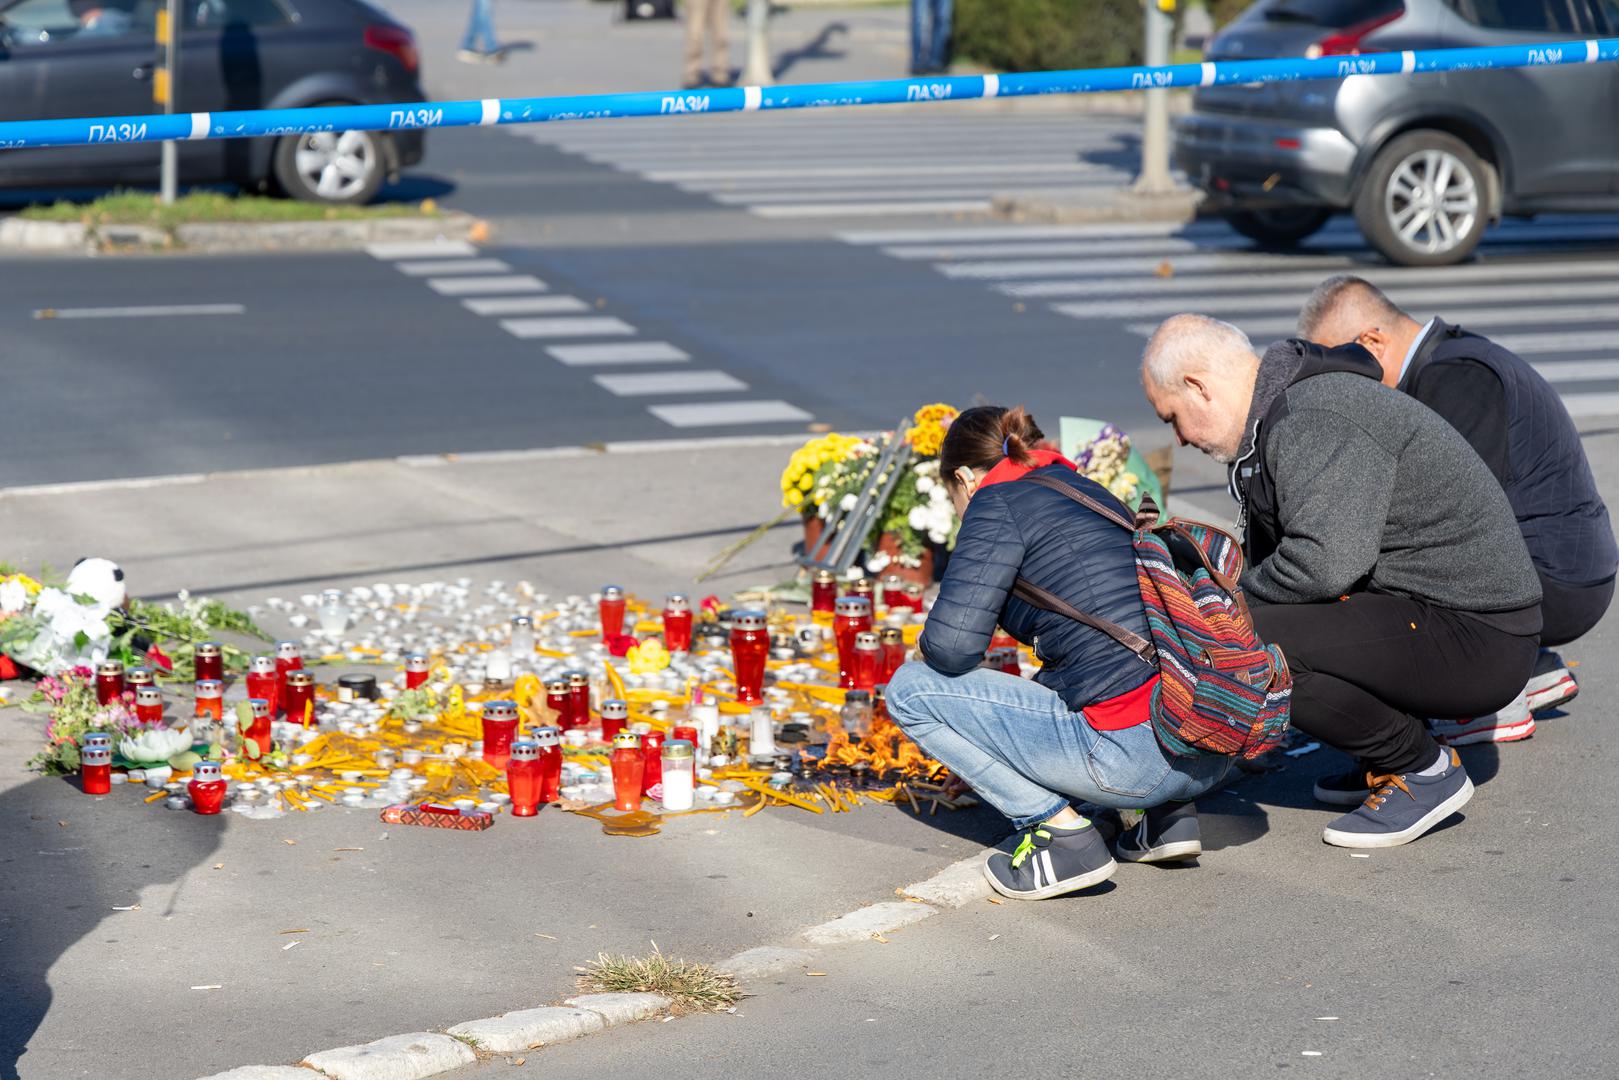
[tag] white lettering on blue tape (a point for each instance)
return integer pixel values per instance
(992, 85)
(1209, 71)
(752, 96)
(1408, 62)
(491, 112)
(199, 125)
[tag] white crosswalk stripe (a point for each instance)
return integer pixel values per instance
(1542, 288)
(794, 165)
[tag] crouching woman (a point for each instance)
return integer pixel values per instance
(1079, 730)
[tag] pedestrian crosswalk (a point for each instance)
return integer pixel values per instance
(859, 163)
(1546, 289)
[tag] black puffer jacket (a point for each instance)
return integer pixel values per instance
(1017, 528)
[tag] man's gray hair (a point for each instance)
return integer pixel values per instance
(1184, 343)
(1340, 294)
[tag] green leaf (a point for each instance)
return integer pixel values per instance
(244, 716)
(81, 640)
(250, 747)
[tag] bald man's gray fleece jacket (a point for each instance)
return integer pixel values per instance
(1346, 485)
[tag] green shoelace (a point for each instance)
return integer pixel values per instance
(1027, 845)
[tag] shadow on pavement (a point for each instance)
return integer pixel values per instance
(814, 49)
(67, 862)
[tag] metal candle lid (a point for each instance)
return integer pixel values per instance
(263, 664)
(749, 620)
(879, 692)
(557, 686)
(95, 755)
(416, 662)
(500, 710)
(300, 678)
(260, 706)
(525, 751)
(209, 649)
(864, 587)
(576, 678)
(141, 676)
(867, 641)
(522, 622)
(626, 740)
(612, 592)
(206, 771)
(891, 635)
(110, 668)
(546, 736)
(677, 602)
(148, 695)
(288, 650)
(913, 589)
(853, 607)
(678, 748)
(858, 697)
(825, 577)
(615, 710)
(96, 738)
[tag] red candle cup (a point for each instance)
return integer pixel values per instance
(868, 659)
(207, 788)
(750, 646)
(258, 732)
(852, 616)
(210, 704)
(138, 677)
(558, 701)
(824, 591)
(298, 696)
(109, 681)
(288, 657)
(209, 658)
(263, 682)
(611, 608)
(149, 705)
(629, 766)
(549, 741)
(578, 699)
(652, 771)
(913, 596)
(499, 728)
(1004, 658)
(416, 669)
(95, 769)
(523, 779)
(879, 703)
(893, 642)
(865, 587)
(615, 718)
(677, 623)
(684, 733)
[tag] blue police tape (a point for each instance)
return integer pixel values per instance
(231, 125)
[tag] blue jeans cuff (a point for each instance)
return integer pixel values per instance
(1023, 823)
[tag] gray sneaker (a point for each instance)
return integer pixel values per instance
(1049, 862)
(1402, 808)
(1167, 833)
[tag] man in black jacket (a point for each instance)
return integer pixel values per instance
(1517, 423)
(1382, 557)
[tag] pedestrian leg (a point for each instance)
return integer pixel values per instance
(696, 17)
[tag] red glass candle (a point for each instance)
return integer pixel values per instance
(288, 657)
(750, 646)
(523, 778)
(652, 772)
(95, 769)
(258, 732)
(629, 765)
(262, 681)
(1004, 658)
(865, 587)
(612, 611)
(298, 696)
(549, 741)
(824, 591)
(879, 703)
(852, 616)
(149, 705)
(209, 660)
(416, 665)
(137, 678)
(913, 596)
(210, 704)
(207, 788)
(615, 718)
(558, 701)
(868, 659)
(578, 699)
(109, 681)
(677, 623)
(684, 733)
(499, 728)
(893, 642)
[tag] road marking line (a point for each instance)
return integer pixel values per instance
(627, 352)
(596, 326)
(717, 413)
(152, 311)
(1579, 370)
(1409, 298)
(1468, 317)
(835, 195)
(415, 249)
(840, 172)
(429, 267)
(669, 382)
(1573, 341)
(471, 286)
(525, 305)
(872, 209)
(1587, 405)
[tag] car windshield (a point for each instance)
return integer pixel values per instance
(1334, 13)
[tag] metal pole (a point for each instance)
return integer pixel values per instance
(1154, 178)
(756, 72)
(167, 87)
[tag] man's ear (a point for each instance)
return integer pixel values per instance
(1197, 385)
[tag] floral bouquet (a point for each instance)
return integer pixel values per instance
(69, 698)
(1104, 453)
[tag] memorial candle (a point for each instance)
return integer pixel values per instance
(95, 769)
(209, 660)
(109, 681)
(416, 669)
(893, 642)
(652, 774)
(299, 696)
(149, 705)
(615, 718)
(262, 682)
(549, 741)
(868, 659)
(677, 623)
(852, 616)
(578, 699)
(611, 608)
(823, 591)
(523, 779)
(750, 645)
(559, 702)
(629, 766)
(499, 728)
(258, 731)
(207, 788)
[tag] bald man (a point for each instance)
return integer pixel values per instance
(1382, 557)
(1517, 423)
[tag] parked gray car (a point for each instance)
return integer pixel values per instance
(1426, 162)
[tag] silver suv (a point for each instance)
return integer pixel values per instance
(1426, 162)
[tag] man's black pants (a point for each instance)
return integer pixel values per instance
(1568, 611)
(1366, 670)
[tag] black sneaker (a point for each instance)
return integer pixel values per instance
(1552, 684)
(1343, 789)
(1402, 808)
(1167, 833)
(1050, 861)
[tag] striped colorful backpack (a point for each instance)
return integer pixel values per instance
(1221, 691)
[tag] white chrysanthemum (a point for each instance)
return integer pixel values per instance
(847, 502)
(13, 597)
(918, 518)
(878, 563)
(924, 485)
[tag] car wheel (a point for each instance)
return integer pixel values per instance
(1282, 226)
(1422, 202)
(338, 167)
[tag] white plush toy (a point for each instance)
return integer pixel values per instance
(100, 579)
(75, 633)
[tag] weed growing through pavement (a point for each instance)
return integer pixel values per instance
(689, 987)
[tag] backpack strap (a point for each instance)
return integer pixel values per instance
(1035, 596)
(1145, 518)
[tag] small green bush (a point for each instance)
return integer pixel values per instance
(1048, 35)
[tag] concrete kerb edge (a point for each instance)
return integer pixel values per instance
(402, 1056)
(352, 234)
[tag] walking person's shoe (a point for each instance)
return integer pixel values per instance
(1050, 861)
(469, 56)
(1403, 807)
(1552, 684)
(1343, 789)
(1167, 833)
(1508, 725)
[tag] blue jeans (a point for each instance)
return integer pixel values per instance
(481, 26)
(1021, 748)
(930, 44)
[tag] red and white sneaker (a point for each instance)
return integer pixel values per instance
(1508, 725)
(1552, 684)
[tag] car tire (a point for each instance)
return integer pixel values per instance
(339, 168)
(1283, 226)
(1409, 220)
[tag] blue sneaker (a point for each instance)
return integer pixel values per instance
(1050, 861)
(1402, 808)
(1167, 833)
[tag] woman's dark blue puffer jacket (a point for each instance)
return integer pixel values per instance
(1014, 529)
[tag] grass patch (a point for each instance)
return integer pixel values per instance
(143, 208)
(690, 987)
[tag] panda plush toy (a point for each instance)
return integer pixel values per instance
(100, 579)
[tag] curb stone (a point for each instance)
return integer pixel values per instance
(398, 1057)
(234, 237)
(620, 1008)
(765, 960)
(267, 1072)
(874, 919)
(1110, 204)
(526, 1027)
(957, 885)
